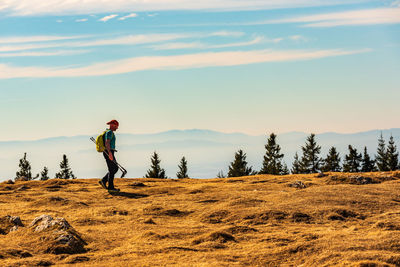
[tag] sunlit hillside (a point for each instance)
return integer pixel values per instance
(295, 220)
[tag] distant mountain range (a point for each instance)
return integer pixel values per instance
(207, 152)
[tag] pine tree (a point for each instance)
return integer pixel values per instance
(381, 157)
(367, 164)
(310, 161)
(285, 170)
(332, 161)
(182, 169)
(44, 175)
(65, 171)
(24, 172)
(155, 170)
(221, 174)
(272, 163)
(239, 166)
(352, 160)
(296, 166)
(392, 155)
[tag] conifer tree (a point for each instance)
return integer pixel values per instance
(392, 155)
(310, 161)
(155, 170)
(381, 156)
(221, 174)
(272, 163)
(352, 160)
(285, 170)
(44, 175)
(239, 166)
(65, 171)
(332, 161)
(25, 169)
(367, 164)
(296, 166)
(182, 169)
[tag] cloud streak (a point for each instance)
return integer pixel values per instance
(44, 54)
(123, 40)
(187, 61)
(107, 18)
(198, 45)
(68, 7)
(174, 46)
(38, 38)
(346, 18)
(132, 15)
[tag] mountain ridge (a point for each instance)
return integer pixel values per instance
(207, 151)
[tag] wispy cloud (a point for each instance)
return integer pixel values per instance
(107, 18)
(81, 20)
(201, 60)
(346, 18)
(175, 46)
(298, 38)
(122, 40)
(37, 38)
(227, 34)
(11, 48)
(68, 7)
(132, 15)
(44, 54)
(132, 40)
(256, 40)
(198, 45)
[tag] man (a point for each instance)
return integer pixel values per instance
(109, 143)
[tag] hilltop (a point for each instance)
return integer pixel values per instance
(336, 220)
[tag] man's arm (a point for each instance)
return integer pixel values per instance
(108, 148)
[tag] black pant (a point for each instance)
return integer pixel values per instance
(112, 170)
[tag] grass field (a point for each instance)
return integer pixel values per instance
(245, 221)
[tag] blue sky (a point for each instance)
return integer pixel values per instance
(67, 67)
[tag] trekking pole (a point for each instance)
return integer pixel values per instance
(123, 170)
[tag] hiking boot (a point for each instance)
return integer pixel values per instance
(103, 184)
(113, 190)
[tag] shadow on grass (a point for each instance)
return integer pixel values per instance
(127, 195)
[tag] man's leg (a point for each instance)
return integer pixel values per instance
(110, 168)
(113, 168)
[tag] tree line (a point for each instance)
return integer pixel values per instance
(24, 173)
(309, 161)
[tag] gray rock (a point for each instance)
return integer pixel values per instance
(298, 184)
(44, 222)
(61, 236)
(14, 228)
(360, 180)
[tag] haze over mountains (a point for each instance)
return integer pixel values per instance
(207, 151)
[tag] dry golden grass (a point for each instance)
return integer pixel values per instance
(252, 221)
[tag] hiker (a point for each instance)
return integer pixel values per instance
(109, 143)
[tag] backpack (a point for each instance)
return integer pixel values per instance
(100, 146)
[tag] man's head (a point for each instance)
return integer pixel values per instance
(113, 125)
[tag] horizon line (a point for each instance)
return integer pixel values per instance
(196, 129)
